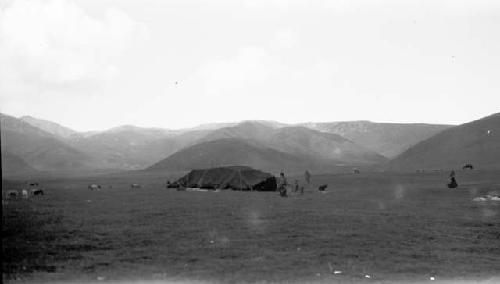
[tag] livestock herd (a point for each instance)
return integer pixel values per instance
(35, 189)
(31, 189)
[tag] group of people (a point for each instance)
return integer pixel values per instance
(282, 184)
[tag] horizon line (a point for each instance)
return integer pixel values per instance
(225, 122)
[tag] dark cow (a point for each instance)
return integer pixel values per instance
(12, 193)
(37, 191)
(135, 185)
(322, 187)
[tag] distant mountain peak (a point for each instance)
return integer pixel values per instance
(388, 139)
(130, 127)
(59, 131)
(268, 123)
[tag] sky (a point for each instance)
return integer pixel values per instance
(96, 64)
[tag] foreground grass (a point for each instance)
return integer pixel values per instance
(390, 227)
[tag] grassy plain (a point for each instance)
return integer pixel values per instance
(392, 227)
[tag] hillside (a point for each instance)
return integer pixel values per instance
(131, 148)
(299, 140)
(323, 146)
(13, 165)
(230, 151)
(476, 142)
(124, 147)
(40, 149)
(388, 139)
(53, 128)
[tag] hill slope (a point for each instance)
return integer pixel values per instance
(388, 139)
(131, 148)
(299, 140)
(230, 151)
(13, 165)
(53, 128)
(476, 142)
(39, 149)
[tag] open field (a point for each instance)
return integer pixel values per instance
(393, 227)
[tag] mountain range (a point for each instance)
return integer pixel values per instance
(299, 140)
(34, 145)
(387, 139)
(41, 150)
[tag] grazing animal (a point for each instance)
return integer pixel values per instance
(12, 193)
(33, 184)
(355, 171)
(94, 187)
(468, 166)
(25, 193)
(135, 185)
(322, 187)
(37, 191)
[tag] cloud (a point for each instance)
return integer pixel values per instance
(55, 44)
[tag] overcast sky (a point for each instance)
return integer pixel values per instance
(95, 64)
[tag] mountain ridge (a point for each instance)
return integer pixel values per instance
(387, 139)
(238, 152)
(298, 139)
(476, 142)
(129, 147)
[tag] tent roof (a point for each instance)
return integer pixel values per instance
(234, 177)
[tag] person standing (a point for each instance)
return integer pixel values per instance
(307, 176)
(453, 182)
(282, 183)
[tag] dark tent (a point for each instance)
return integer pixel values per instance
(232, 177)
